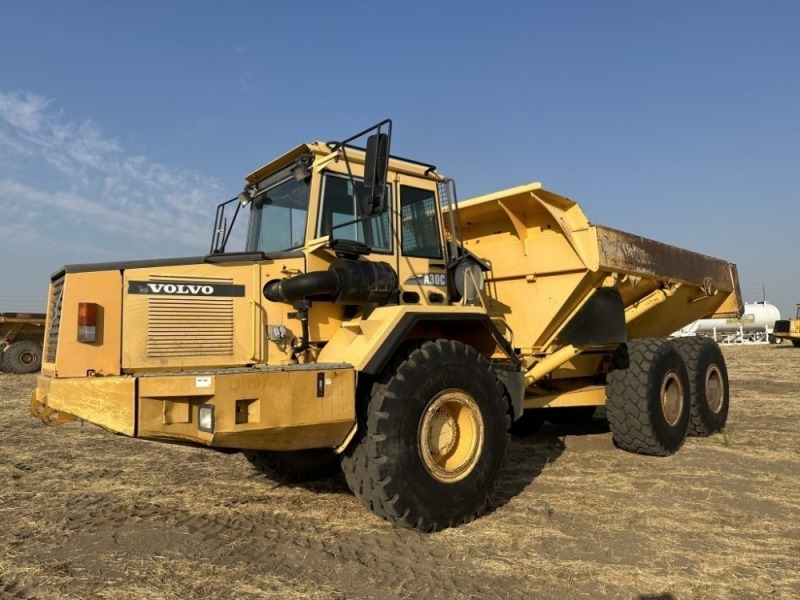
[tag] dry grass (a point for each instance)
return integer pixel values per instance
(84, 514)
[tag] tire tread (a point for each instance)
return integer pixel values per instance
(627, 398)
(364, 464)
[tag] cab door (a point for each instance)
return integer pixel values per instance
(421, 253)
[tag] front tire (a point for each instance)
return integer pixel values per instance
(708, 384)
(647, 397)
(434, 438)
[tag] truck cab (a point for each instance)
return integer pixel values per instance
(335, 274)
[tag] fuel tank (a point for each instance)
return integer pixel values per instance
(758, 316)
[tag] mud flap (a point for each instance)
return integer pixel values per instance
(600, 321)
(514, 381)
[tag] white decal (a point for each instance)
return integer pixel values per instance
(434, 279)
(181, 288)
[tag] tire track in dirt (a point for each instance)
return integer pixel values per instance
(765, 386)
(88, 515)
(272, 543)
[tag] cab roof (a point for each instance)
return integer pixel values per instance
(354, 154)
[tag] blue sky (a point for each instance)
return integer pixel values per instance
(122, 125)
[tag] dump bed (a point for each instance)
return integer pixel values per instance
(15, 325)
(546, 259)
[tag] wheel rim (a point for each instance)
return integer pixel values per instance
(672, 398)
(451, 436)
(715, 392)
(27, 358)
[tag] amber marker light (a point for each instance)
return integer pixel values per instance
(87, 322)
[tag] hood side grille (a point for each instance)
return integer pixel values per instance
(54, 312)
(189, 327)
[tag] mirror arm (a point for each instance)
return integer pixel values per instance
(217, 234)
(337, 145)
(230, 229)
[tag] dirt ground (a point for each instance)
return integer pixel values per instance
(88, 514)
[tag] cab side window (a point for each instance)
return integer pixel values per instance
(339, 207)
(420, 230)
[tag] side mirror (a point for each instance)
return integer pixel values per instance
(376, 165)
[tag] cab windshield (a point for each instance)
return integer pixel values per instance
(278, 217)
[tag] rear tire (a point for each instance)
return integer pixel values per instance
(24, 356)
(708, 384)
(434, 438)
(647, 397)
(295, 466)
(796, 343)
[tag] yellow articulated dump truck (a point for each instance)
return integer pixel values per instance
(21, 342)
(788, 329)
(374, 324)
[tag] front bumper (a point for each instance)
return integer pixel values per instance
(280, 408)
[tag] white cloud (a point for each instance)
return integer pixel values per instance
(23, 111)
(55, 170)
(22, 223)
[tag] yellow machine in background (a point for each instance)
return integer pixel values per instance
(375, 322)
(788, 329)
(21, 342)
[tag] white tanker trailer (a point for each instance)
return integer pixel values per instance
(753, 327)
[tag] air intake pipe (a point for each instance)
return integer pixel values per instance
(346, 282)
